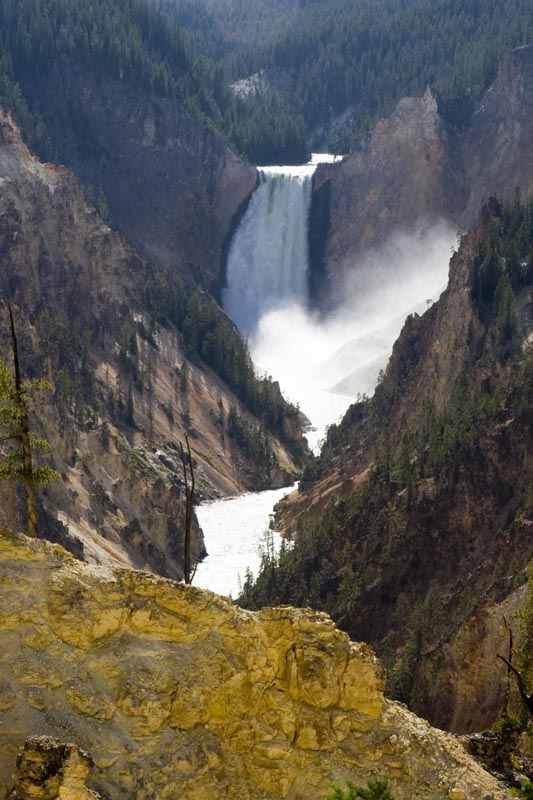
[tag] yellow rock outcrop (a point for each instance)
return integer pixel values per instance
(176, 693)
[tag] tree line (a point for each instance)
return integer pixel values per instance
(362, 58)
(337, 57)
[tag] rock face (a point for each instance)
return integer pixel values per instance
(48, 769)
(121, 494)
(177, 693)
(497, 154)
(398, 177)
(434, 563)
(419, 166)
(172, 186)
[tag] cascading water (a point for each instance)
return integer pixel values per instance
(268, 258)
(321, 364)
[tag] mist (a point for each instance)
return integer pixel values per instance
(324, 363)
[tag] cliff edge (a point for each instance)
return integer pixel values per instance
(175, 692)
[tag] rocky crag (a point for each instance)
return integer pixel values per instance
(82, 324)
(423, 164)
(175, 692)
(47, 769)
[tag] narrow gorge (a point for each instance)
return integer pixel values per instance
(310, 382)
(322, 361)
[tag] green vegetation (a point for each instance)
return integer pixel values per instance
(376, 789)
(252, 440)
(525, 790)
(209, 334)
(136, 43)
(364, 56)
(17, 462)
(69, 339)
(335, 56)
(503, 263)
(13, 414)
(124, 40)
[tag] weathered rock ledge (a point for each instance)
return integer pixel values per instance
(175, 692)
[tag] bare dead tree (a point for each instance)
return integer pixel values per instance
(527, 699)
(509, 673)
(188, 473)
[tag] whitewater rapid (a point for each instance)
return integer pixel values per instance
(322, 364)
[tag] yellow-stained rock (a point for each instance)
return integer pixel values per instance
(176, 692)
(48, 769)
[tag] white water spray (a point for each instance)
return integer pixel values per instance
(320, 363)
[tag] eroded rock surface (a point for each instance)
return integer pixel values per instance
(74, 283)
(48, 769)
(177, 693)
(420, 166)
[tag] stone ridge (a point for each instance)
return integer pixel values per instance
(418, 166)
(175, 692)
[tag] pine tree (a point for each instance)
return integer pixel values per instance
(17, 462)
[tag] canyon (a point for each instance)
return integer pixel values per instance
(171, 689)
(121, 493)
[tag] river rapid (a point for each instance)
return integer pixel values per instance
(322, 363)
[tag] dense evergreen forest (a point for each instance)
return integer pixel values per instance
(209, 334)
(340, 64)
(126, 40)
(345, 64)
(338, 554)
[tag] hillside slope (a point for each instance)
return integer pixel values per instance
(128, 352)
(415, 522)
(109, 90)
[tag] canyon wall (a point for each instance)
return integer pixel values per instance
(420, 166)
(79, 312)
(171, 184)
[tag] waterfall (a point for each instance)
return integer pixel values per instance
(268, 258)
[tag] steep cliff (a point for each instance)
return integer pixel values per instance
(496, 152)
(127, 387)
(171, 184)
(175, 692)
(426, 163)
(413, 526)
(398, 177)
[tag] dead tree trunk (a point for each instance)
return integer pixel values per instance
(527, 699)
(188, 472)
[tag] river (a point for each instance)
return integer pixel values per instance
(322, 363)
